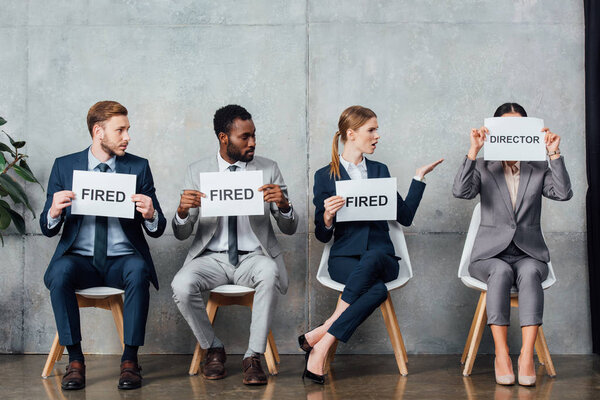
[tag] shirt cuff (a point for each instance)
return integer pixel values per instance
(419, 179)
(152, 226)
(288, 214)
(329, 227)
(181, 221)
(52, 222)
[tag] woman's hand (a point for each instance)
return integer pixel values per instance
(425, 169)
(552, 141)
(478, 137)
(332, 206)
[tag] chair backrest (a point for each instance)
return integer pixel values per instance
(465, 259)
(405, 267)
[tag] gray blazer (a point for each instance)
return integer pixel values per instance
(499, 223)
(260, 224)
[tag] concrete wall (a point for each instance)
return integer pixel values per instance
(431, 70)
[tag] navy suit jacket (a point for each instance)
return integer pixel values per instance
(354, 238)
(61, 178)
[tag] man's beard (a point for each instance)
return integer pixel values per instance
(235, 154)
(106, 147)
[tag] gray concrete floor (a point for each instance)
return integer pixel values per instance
(352, 377)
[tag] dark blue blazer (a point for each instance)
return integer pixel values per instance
(354, 238)
(61, 178)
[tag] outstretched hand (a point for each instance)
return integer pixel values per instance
(425, 169)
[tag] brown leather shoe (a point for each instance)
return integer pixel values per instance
(131, 375)
(74, 378)
(253, 372)
(214, 363)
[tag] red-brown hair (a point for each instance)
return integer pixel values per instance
(103, 111)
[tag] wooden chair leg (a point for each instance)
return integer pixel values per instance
(387, 309)
(53, 356)
(270, 357)
(199, 353)
(480, 318)
(116, 306)
(546, 353)
(539, 349)
(271, 341)
(466, 350)
(395, 322)
(330, 357)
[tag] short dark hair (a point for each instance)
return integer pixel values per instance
(103, 111)
(225, 116)
(510, 108)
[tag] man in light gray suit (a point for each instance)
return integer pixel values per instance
(509, 248)
(240, 250)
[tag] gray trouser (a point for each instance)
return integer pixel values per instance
(512, 267)
(210, 270)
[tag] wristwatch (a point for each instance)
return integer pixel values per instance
(154, 216)
(552, 153)
(289, 205)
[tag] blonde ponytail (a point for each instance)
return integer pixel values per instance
(334, 170)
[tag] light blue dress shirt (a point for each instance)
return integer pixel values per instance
(118, 244)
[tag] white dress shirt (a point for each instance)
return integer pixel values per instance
(247, 240)
(512, 174)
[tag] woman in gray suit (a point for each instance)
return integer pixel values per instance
(509, 248)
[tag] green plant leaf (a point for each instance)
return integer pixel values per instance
(23, 164)
(15, 190)
(4, 147)
(16, 144)
(2, 239)
(23, 173)
(2, 121)
(4, 218)
(2, 161)
(3, 193)
(4, 204)
(18, 221)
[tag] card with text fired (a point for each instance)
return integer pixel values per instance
(367, 199)
(103, 194)
(514, 139)
(231, 193)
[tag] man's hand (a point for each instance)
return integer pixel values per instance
(143, 204)
(60, 201)
(189, 199)
(273, 194)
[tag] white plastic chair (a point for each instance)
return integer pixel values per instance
(387, 307)
(227, 295)
(104, 297)
(480, 317)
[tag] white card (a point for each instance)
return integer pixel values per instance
(231, 193)
(367, 199)
(514, 139)
(103, 194)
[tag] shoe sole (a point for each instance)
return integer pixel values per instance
(213, 378)
(72, 387)
(254, 383)
(129, 387)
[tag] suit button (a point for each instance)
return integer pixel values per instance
(513, 226)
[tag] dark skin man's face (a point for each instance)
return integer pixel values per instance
(240, 144)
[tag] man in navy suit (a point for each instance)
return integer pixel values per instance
(101, 251)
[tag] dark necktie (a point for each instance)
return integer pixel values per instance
(232, 232)
(101, 237)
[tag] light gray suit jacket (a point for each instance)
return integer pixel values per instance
(260, 224)
(499, 223)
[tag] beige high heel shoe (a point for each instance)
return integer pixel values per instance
(525, 380)
(505, 380)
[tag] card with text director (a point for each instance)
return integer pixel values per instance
(367, 199)
(231, 193)
(103, 194)
(514, 139)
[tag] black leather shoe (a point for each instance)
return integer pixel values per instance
(303, 343)
(320, 379)
(131, 376)
(74, 378)
(214, 363)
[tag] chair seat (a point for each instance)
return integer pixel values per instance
(330, 283)
(473, 283)
(232, 290)
(99, 292)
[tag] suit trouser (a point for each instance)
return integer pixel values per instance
(73, 272)
(210, 270)
(365, 290)
(512, 267)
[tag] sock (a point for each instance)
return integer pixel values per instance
(130, 353)
(216, 343)
(75, 352)
(250, 353)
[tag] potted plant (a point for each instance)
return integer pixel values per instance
(11, 158)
